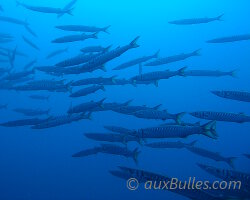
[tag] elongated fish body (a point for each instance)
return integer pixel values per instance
(93, 81)
(110, 137)
(85, 107)
(182, 124)
(31, 43)
(119, 82)
(158, 75)
(234, 95)
(46, 87)
(19, 75)
(77, 60)
(175, 131)
(30, 64)
(80, 69)
(129, 110)
(23, 122)
(74, 38)
(6, 52)
(121, 151)
(68, 7)
(121, 130)
(221, 116)
(111, 106)
(39, 97)
(42, 9)
(157, 114)
(95, 49)
(56, 53)
(209, 154)
(209, 73)
(30, 31)
(31, 112)
(228, 175)
(13, 21)
(143, 176)
(22, 80)
(235, 38)
(3, 106)
(47, 82)
(195, 20)
(61, 120)
(169, 145)
(171, 59)
(110, 55)
(81, 28)
(136, 61)
(87, 152)
(87, 91)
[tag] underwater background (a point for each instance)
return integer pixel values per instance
(38, 164)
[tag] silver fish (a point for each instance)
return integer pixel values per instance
(221, 116)
(235, 38)
(87, 91)
(95, 49)
(56, 53)
(74, 38)
(136, 61)
(209, 73)
(177, 131)
(196, 20)
(61, 120)
(44, 9)
(81, 28)
(30, 43)
(212, 155)
(171, 59)
(85, 107)
(234, 95)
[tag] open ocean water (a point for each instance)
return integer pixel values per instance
(37, 164)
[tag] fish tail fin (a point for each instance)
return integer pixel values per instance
(192, 143)
(107, 48)
(219, 17)
(103, 88)
(156, 55)
(178, 117)
(113, 80)
(157, 107)
(230, 161)
(105, 29)
(101, 101)
(103, 68)
(209, 130)
(95, 35)
(233, 73)
(133, 43)
(135, 155)
(70, 11)
(89, 116)
(128, 102)
(182, 71)
(197, 52)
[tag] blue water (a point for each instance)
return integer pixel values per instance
(37, 164)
